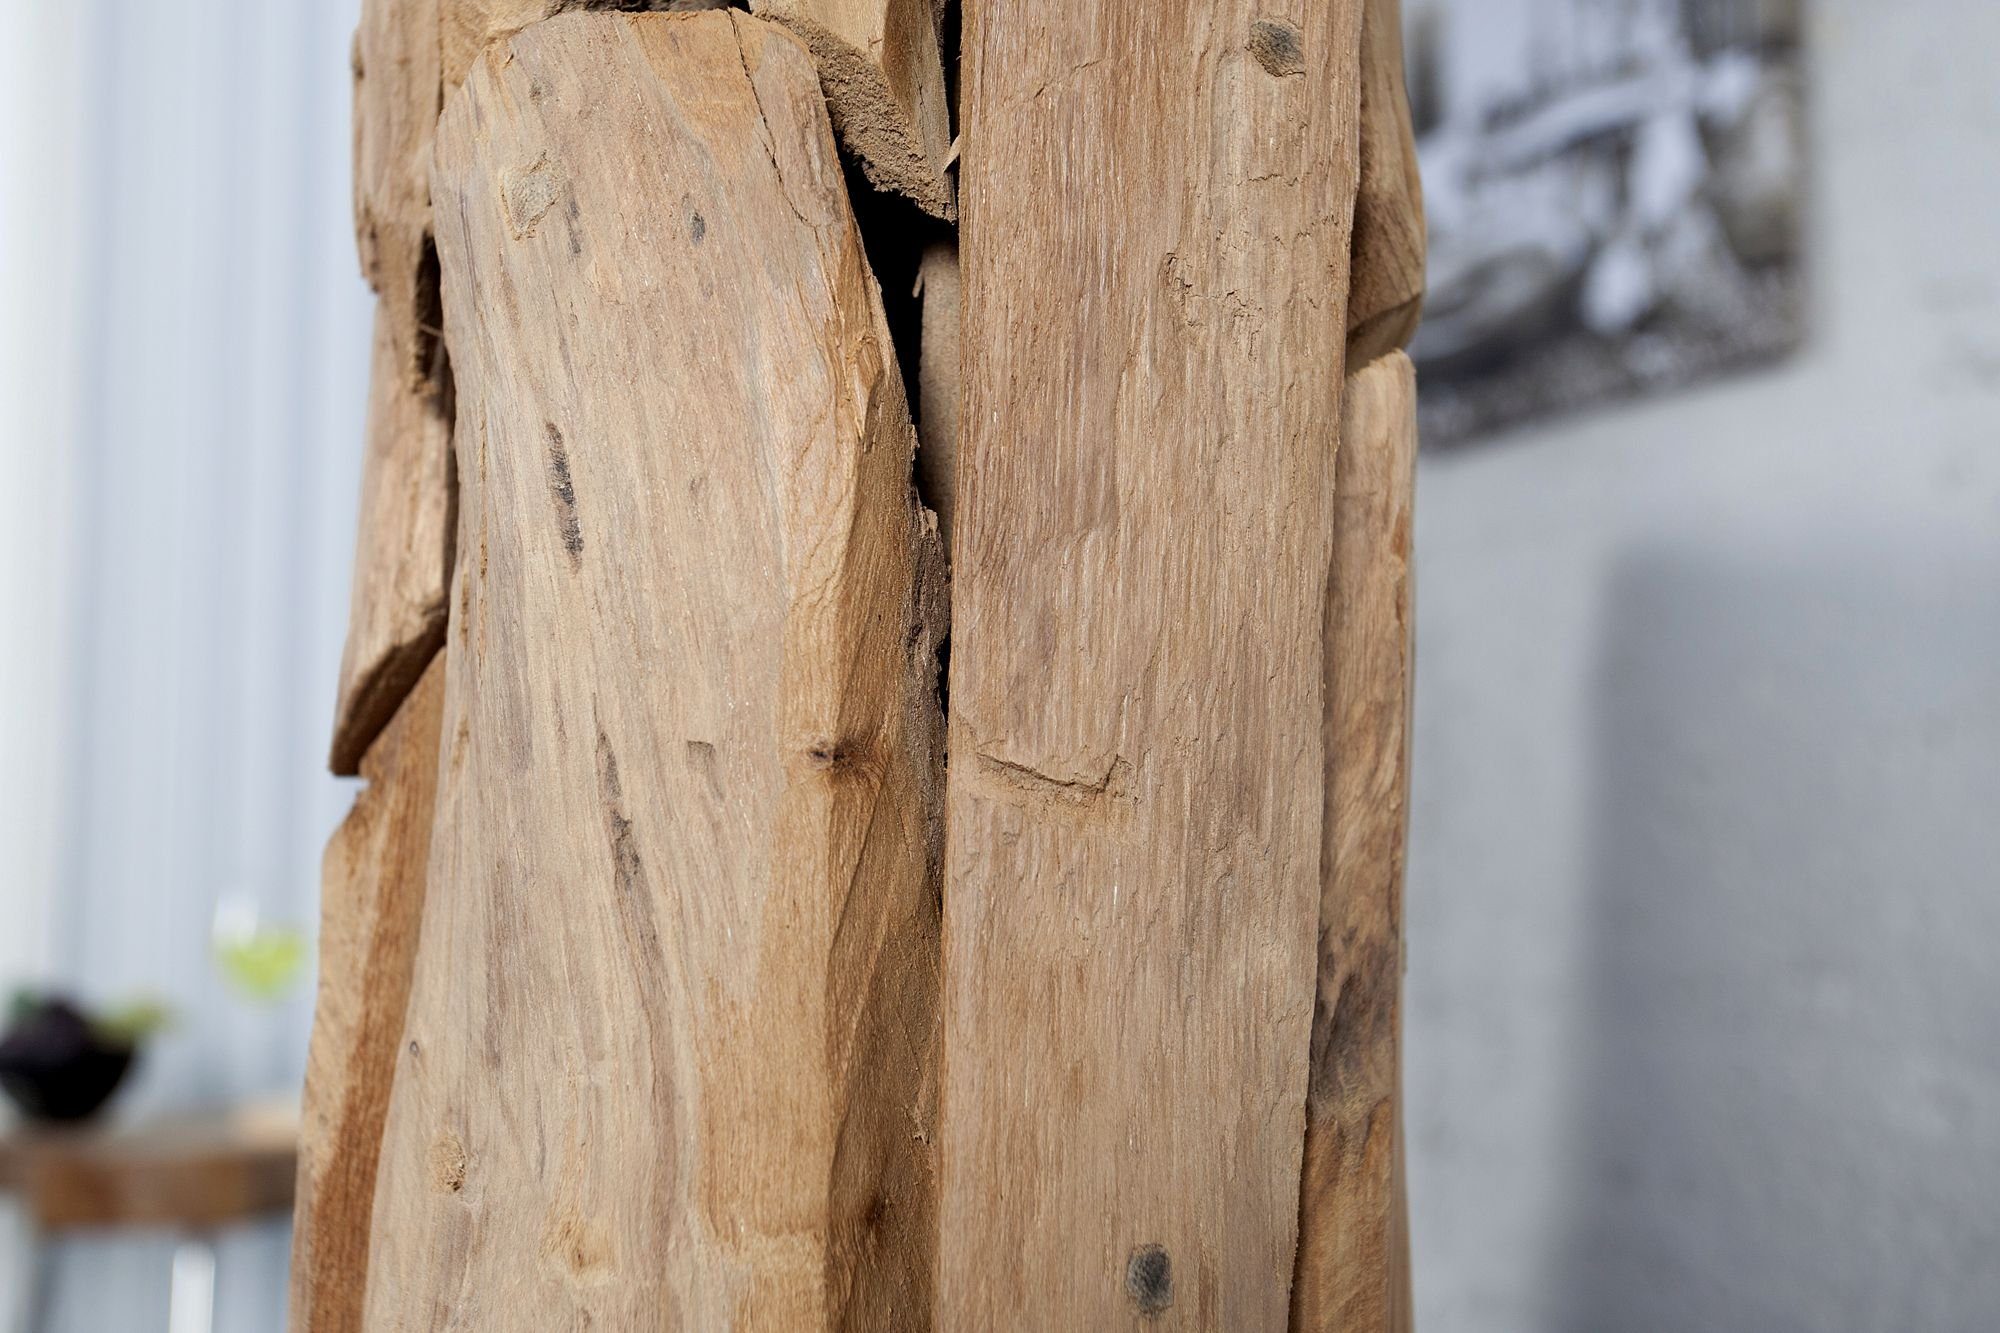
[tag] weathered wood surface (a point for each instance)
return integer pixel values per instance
(670, 1053)
(1353, 1241)
(883, 72)
(371, 905)
(396, 79)
(402, 555)
(1157, 211)
(1386, 295)
(938, 387)
(409, 55)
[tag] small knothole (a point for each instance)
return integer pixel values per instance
(1149, 1279)
(1277, 48)
(448, 1161)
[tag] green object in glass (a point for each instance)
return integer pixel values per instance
(263, 962)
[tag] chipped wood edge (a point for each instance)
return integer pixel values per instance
(371, 907)
(1386, 292)
(887, 99)
(1352, 1269)
(404, 535)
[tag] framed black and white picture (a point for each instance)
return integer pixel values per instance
(1614, 189)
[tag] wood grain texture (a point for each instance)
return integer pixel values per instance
(468, 27)
(371, 906)
(402, 554)
(408, 56)
(1158, 202)
(938, 384)
(397, 71)
(1387, 294)
(669, 1061)
(1353, 1260)
(883, 72)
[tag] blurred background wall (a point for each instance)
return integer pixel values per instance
(183, 339)
(1703, 897)
(1704, 1011)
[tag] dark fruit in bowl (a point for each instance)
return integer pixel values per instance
(56, 1065)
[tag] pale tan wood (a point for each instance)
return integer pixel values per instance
(192, 1172)
(938, 383)
(468, 27)
(408, 56)
(1157, 202)
(669, 1059)
(1387, 295)
(371, 904)
(1353, 1240)
(402, 555)
(396, 79)
(883, 72)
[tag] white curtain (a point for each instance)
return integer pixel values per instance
(186, 338)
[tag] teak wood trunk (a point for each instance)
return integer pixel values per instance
(881, 658)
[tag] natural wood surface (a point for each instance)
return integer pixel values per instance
(408, 56)
(1157, 207)
(1353, 1242)
(1387, 293)
(402, 554)
(669, 1058)
(938, 387)
(467, 27)
(396, 78)
(880, 64)
(191, 1172)
(371, 905)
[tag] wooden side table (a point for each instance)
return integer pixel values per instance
(192, 1174)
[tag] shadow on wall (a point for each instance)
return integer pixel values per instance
(1791, 1079)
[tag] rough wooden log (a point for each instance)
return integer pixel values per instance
(883, 72)
(1386, 295)
(402, 556)
(938, 384)
(1158, 202)
(370, 908)
(670, 1048)
(1353, 1241)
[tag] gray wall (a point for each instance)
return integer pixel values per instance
(1704, 901)
(182, 445)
